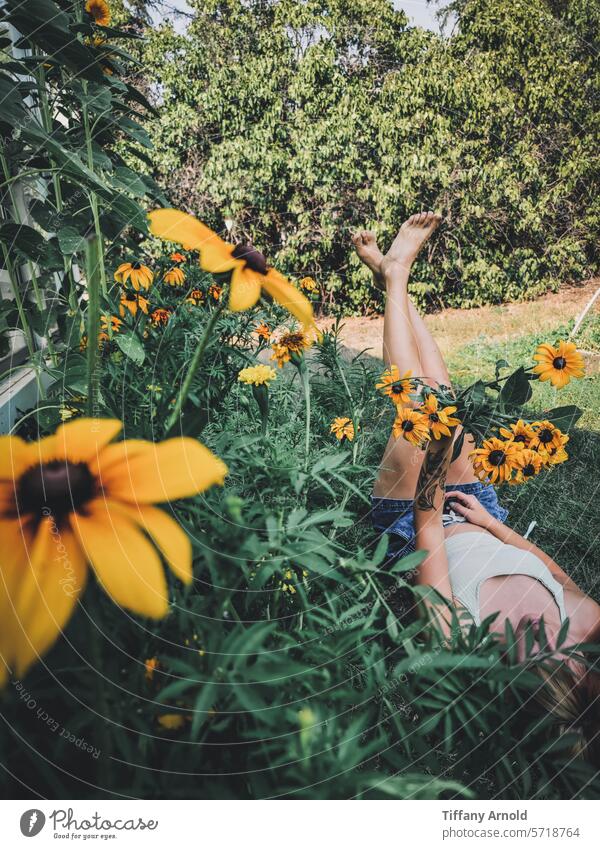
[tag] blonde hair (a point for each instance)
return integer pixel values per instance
(574, 705)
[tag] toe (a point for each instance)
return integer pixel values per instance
(355, 238)
(413, 219)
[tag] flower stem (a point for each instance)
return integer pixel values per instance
(92, 195)
(92, 263)
(306, 387)
(193, 367)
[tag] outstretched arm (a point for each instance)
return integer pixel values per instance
(428, 509)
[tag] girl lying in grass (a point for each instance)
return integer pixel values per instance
(473, 558)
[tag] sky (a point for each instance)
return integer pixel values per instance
(419, 12)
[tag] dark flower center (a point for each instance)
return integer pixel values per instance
(130, 296)
(253, 258)
(434, 417)
(136, 265)
(520, 437)
(58, 487)
(397, 388)
(529, 470)
(408, 425)
(559, 362)
(497, 457)
(545, 436)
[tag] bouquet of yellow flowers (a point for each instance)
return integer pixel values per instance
(509, 448)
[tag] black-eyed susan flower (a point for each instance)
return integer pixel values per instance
(132, 302)
(99, 11)
(257, 375)
(110, 321)
(495, 460)
(215, 291)
(263, 331)
(308, 284)
(526, 465)
(342, 428)
(174, 276)
(396, 387)
(440, 420)
(177, 257)
(103, 341)
(554, 457)
(160, 317)
(250, 272)
(558, 364)
(138, 274)
(290, 346)
(412, 425)
(75, 498)
(520, 432)
(547, 437)
(151, 665)
(195, 297)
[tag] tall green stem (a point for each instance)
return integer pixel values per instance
(93, 196)
(32, 274)
(14, 284)
(193, 367)
(92, 263)
(304, 377)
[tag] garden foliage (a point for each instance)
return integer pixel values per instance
(300, 122)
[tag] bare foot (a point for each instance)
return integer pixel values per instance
(412, 236)
(366, 247)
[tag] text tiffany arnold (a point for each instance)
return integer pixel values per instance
(480, 816)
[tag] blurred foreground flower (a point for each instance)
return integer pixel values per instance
(73, 498)
(558, 364)
(249, 270)
(171, 721)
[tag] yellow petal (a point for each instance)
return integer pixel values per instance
(126, 564)
(53, 581)
(177, 468)
(168, 535)
(14, 457)
(81, 440)
(175, 226)
(245, 289)
(288, 296)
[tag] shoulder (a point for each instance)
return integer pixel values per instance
(583, 612)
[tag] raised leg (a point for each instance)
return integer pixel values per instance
(409, 345)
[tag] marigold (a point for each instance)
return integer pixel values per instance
(396, 387)
(74, 498)
(151, 664)
(100, 11)
(250, 273)
(412, 425)
(136, 272)
(495, 460)
(257, 375)
(160, 317)
(171, 721)
(290, 345)
(174, 276)
(195, 297)
(177, 257)
(440, 421)
(262, 330)
(215, 291)
(343, 428)
(112, 321)
(558, 364)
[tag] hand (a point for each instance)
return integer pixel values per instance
(472, 509)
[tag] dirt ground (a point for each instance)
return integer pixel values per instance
(454, 328)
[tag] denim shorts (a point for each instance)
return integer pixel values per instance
(394, 516)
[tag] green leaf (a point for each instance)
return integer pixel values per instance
(516, 390)
(70, 241)
(131, 347)
(564, 417)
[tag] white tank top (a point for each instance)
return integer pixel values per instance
(475, 556)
